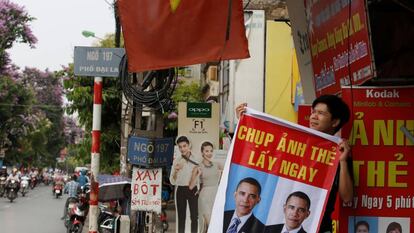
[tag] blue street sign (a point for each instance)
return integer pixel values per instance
(149, 152)
(97, 61)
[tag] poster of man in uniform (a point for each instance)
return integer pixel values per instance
(381, 136)
(274, 168)
(196, 168)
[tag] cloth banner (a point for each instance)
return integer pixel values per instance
(283, 158)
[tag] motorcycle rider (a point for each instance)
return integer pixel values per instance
(83, 179)
(72, 188)
(13, 176)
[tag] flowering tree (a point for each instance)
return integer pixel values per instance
(14, 27)
(15, 118)
(48, 92)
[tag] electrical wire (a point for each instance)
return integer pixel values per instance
(145, 95)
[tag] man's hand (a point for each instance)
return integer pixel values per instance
(241, 109)
(345, 150)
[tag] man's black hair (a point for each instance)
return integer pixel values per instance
(361, 223)
(183, 139)
(252, 181)
(336, 106)
(301, 195)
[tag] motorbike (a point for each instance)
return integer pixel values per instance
(46, 180)
(24, 185)
(107, 221)
(77, 212)
(12, 190)
(33, 181)
(58, 189)
(2, 185)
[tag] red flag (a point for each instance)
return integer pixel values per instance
(160, 34)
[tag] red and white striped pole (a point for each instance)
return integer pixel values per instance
(95, 154)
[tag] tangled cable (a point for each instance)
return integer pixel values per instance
(146, 94)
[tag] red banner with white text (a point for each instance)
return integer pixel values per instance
(338, 34)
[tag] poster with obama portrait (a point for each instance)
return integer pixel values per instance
(277, 176)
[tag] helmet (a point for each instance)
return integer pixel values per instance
(14, 170)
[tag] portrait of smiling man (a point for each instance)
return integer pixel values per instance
(242, 219)
(296, 209)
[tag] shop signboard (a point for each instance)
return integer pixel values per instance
(339, 43)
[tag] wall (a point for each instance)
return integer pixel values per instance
(278, 84)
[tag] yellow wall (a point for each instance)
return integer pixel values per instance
(279, 78)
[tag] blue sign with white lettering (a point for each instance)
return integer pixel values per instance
(150, 152)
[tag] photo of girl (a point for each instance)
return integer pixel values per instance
(207, 173)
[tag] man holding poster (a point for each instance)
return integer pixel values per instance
(286, 157)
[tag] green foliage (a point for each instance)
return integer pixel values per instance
(184, 92)
(15, 112)
(187, 92)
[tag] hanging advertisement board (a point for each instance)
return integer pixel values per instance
(338, 35)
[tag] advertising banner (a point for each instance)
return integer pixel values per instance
(338, 34)
(146, 189)
(197, 165)
(199, 122)
(382, 150)
(271, 163)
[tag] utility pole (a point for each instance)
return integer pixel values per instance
(95, 154)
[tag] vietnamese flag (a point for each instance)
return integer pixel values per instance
(160, 34)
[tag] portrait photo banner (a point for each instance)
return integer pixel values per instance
(283, 158)
(381, 136)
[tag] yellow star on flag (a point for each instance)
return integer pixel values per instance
(174, 4)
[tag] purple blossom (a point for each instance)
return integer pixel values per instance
(172, 115)
(14, 27)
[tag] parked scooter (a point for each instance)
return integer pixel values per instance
(24, 185)
(107, 220)
(77, 213)
(12, 190)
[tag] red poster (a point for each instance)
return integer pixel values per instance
(382, 152)
(270, 160)
(304, 111)
(338, 34)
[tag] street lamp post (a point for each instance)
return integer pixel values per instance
(87, 34)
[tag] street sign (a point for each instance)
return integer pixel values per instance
(97, 62)
(149, 152)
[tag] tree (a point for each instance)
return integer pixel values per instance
(48, 93)
(14, 27)
(16, 119)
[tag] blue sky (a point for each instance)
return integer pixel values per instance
(58, 27)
